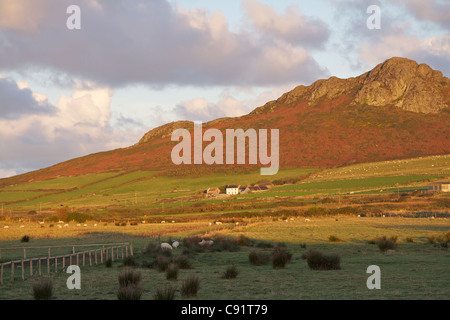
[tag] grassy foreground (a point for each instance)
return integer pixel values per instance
(415, 270)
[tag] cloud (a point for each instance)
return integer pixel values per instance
(291, 26)
(231, 102)
(150, 42)
(78, 124)
(16, 99)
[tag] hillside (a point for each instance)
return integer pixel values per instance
(399, 109)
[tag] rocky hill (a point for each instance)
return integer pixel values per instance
(399, 109)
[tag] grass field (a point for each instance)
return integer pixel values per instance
(347, 204)
(413, 271)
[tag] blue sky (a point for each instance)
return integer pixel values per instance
(135, 65)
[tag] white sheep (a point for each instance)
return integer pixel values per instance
(66, 225)
(307, 220)
(207, 243)
(166, 246)
(175, 244)
(6, 227)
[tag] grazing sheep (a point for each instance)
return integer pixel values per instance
(210, 224)
(22, 226)
(207, 243)
(307, 220)
(59, 227)
(5, 227)
(166, 246)
(66, 225)
(175, 244)
(218, 222)
(41, 222)
(163, 221)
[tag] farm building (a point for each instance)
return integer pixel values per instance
(244, 189)
(232, 189)
(439, 187)
(211, 192)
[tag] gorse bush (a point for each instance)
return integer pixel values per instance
(280, 257)
(320, 261)
(129, 277)
(43, 289)
(231, 272)
(190, 286)
(166, 293)
(25, 239)
(384, 243)
(257, 258)
(162, 262)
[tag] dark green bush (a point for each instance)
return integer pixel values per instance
(258, 258)
(231, 272)
(190, 286)
(129, 277)
(166, 293)
(130, 292)
(42, 289)
(280, 257)
(172, 271)
(320, 261)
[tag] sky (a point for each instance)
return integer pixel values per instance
(134, 65)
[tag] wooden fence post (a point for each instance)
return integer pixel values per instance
(90, 258)
(1, 275)
(112, 253)
(78, 259)
(126, 251)
(131, 248)
(122, 251)
(23, 270)
(64, 262)
(48, 265)
(12, 271)
(24, 253)
(31, 267)
(70, 259)
(84, 258)
(40, 267)
(56, 264)
(96, 257)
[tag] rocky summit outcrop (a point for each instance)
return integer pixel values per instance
(398, 82)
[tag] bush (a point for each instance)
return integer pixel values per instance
(129, 278)
(25, 239)
(333, 238)
(224, 244)
(183, 262)
(166, 293)
(258, 258)
(409, 239)
(162, 262)
(231, 272)
(43, 289)
(280, 257)
(243, 240)
(108, 263)
(264, 244)
(384, 243)
(190, 286)
(172, 272)
(319, 261)
(130, 292)
(129, 261)
(191, 242)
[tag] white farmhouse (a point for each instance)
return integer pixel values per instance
(232, 189)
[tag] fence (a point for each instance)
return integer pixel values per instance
(91, 256)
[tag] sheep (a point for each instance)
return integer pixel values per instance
(218, 222)
(307, 220)
(66, 225)
(166, 246)
(207, 243)
(22, 226)
(6, 227)
(175, 244)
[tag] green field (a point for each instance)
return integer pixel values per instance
(413, 271)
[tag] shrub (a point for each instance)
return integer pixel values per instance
(224, 244)
(25, 239)
(319, 261)
(183, 262)
(191, 242)
(303, 245)
(172, 271)
(386, 244)
(409, 239)
(43, 289)
(258, 258)
(130, 292)
(333, 238)
(162, 262)
(166, 293)
(243, 240)
(231, 272)
(129, 261)
(108, 263)
(280, 257)
(190, 286)
(129, 278)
